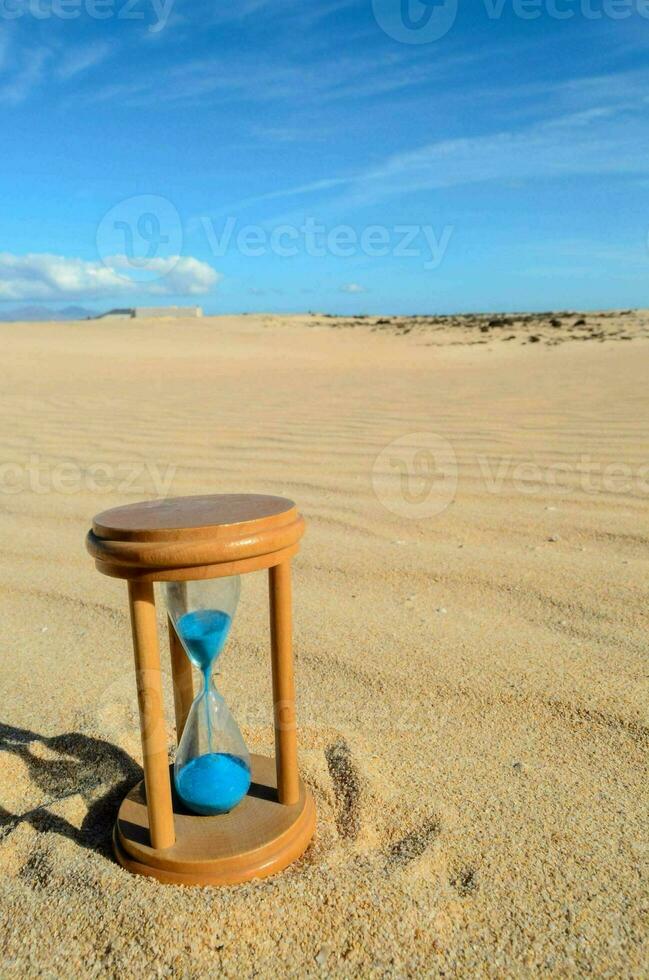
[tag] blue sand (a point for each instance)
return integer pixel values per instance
(213, 783)
(204, 633)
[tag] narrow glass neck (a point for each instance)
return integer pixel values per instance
(209, 683)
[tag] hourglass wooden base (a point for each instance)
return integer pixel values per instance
(258, 838)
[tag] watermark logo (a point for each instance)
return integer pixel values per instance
(126, 719)
(141, 238)
(416, 475)
(415, 21)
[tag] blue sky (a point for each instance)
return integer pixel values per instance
(330, 155)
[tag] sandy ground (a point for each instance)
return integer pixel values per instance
(471, 659)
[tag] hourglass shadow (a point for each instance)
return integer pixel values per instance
(89, 765)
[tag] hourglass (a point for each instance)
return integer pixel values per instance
(212, 767)
(221, 815)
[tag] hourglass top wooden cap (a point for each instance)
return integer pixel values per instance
(205, 536)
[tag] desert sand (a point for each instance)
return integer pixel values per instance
(471, 659)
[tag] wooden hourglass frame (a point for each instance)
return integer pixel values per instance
(185, 539)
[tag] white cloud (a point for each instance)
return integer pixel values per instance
(352, 287)
(52, 277)
(187, 277)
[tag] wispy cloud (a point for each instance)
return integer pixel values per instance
(81, 59)
(51, 277)
(557, 148)
(4, 49)
(287, 134)
(268, 79)
(598, 139)
(591, 257)
(24, 77)
(240, 11)
(230, 11)
(24, 68)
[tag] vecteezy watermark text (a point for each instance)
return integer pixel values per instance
(141, 238)
(425, 21)
(585, 474)
(568, 9)
(316, 240)
(135, 10)
(42, 476)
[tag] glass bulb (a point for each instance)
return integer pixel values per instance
(212, 767)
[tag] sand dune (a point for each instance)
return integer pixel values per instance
(471, 634)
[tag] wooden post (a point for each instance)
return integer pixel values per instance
(181, 671)
(152, 723)
(288, 781)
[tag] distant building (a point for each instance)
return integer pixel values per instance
(178, 312)
(121, 314)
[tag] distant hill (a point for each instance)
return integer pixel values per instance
(44, 313)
